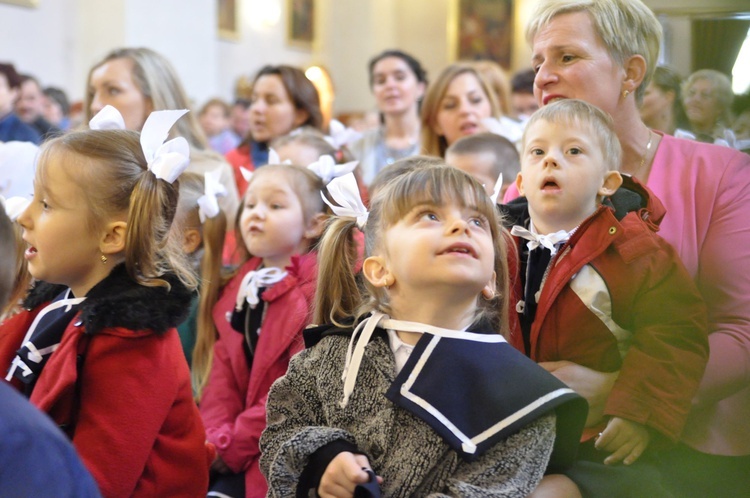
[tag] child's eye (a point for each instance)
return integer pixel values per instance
(44, 204)
(113, 91)
(249, 205)
(277, 206)
(429, 216)
(574, 151)
(536, 152)
(479, 221)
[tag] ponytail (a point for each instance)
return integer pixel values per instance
(338, 295)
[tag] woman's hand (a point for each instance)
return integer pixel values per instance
(592, 385)
(343, 474)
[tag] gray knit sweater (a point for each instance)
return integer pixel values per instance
(304, 414)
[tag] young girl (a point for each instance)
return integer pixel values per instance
(202, 225)
(96, 348)
(429, 407)
(259, 317)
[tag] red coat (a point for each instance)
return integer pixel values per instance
(137, 428)
(604, 305)
(240, 157)
(233, 404)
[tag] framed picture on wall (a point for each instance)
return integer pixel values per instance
(301, 23)
(483, 29)
(228, 19)
(22, 3)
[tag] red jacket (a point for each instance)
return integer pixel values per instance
(233, 404)
(136, 426)
(240, 157)
(617, 297)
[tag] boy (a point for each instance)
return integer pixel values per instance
(600, 290)
(485, 156)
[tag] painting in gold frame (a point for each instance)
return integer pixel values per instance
(482, 29)
(22, 3)
(300, 23)
(228, 19)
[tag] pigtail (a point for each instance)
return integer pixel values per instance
(151, 248)
(211, 282)
(338, 295)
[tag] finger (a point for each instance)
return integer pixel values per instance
(619, 454)
(353, 470)
(331, 490)
(635, 453)
(605, 438)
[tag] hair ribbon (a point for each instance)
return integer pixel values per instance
(341, 135)
(208, 203)
(497, 189)
(345, 192)
(327, 169)
(166, 160)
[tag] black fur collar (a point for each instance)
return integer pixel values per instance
(118, 301)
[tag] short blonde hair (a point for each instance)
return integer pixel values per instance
(627, 28)
(432, 143)
(577, 113)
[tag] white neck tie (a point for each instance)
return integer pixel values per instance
(535, 240)
(253, 281)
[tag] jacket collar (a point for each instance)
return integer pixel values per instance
(119, 301)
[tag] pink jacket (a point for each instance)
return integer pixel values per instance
(233, 404)
(706, 190)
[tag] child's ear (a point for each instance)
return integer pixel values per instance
(519, 183)
(489, 291)
(191, 240)
(113, 238)
(315, 226)
(375, 271)
(612, 181)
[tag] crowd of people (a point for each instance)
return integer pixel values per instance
(534, 284)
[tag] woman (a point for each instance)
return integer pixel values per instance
(661, 108)
(283, 100)
(137, 81)
(455, 105)
(707, 96)
(604, 52)
(398, 82)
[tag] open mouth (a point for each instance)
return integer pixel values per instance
(30, 252)
(550, 184)
(461, 249)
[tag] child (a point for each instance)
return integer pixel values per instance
(435, 257)
(614, 296)
(259, 316)
(202, 225)
(485, 156)
(98, 349)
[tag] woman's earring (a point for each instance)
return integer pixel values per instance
(625, 93)
(104, 259)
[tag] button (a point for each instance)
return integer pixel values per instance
(612, 230)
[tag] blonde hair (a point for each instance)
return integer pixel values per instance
(626, 27)
(340, 297)
(498, 81)
(112, 172)
(432, 143)
(159, 83)
(212, 230)
(577, 113)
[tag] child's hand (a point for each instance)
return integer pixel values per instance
(625, 439)
(343, 474)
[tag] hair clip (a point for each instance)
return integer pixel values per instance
(208, 203)
(14, 206)
(345, 192)
(166, 160)
(327, 169)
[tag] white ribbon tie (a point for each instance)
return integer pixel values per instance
(535, 240)
(253, 281)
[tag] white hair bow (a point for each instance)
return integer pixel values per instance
(497, 189)
(345, 192)
(505, 127)
(166, 160)
(274, 158)
(253, 281)
(14, 206)
(208, 203)
(327, 169)
(340, 135)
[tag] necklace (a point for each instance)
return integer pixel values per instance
(648, 148)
